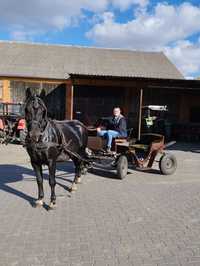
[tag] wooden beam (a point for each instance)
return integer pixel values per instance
(69, 104)
(137, 82)
(110, 83)
(37, 80)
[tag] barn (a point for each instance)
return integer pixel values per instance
(85, 83)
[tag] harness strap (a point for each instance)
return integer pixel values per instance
(64, 145)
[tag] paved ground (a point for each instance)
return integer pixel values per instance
(145, 219)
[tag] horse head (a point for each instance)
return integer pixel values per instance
(35, 114)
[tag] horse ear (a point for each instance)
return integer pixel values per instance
(28, 93)
(43, 94)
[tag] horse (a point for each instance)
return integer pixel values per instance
(50, 141)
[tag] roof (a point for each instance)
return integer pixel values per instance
(59, 61)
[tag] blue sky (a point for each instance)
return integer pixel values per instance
(169, 26)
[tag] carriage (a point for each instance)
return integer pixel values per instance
(139, 154)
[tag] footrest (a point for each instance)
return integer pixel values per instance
(140, 146)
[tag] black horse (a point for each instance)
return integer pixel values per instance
(49, 141)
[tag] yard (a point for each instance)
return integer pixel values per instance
(145, 219)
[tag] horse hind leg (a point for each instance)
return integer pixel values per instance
(85, 166)
(80, 172)
(39, 203)
(74, 183)
(77, 178)
(83, 170)
(73, 187)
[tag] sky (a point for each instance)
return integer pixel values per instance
(171, 26)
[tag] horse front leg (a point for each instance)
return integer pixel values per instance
(52, 183)
(39, 176)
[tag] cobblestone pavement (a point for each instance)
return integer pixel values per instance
(145, 219)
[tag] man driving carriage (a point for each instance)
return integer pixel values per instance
(115, 127)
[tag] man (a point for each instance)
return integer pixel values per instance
(116, 128)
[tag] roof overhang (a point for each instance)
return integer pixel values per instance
(35, 78)
(143, 82)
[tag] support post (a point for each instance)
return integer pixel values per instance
(140, 114)
(6, 91)
(69, 101)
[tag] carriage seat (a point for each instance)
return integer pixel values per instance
(124, 139)
(95, 142)
(119, 141)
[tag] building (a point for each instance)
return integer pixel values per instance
(85, 83)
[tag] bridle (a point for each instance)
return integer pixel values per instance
(34, 121)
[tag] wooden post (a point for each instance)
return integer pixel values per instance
(69, 101)
(6, 91)
(140, 114)
(127, 98)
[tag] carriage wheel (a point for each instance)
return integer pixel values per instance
(122, 167)
(168, 164)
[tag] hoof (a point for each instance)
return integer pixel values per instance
(73, 187)
(52, 206)
(39, 203)
(79, 180)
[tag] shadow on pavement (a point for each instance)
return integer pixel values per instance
(105, 173)
(148, 171)
(187, 147)
(10, 173)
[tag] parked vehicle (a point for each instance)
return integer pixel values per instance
(12, 123)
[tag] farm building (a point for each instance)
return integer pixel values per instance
(85, 83)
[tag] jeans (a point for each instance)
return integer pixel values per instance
(109, 135)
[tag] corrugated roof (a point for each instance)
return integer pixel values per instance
(58, 61)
